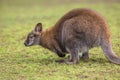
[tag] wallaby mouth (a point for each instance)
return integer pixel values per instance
(28, 44)
(25, 44)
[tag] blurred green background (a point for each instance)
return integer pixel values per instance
(18, 17)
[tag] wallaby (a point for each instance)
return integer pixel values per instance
(77, 31)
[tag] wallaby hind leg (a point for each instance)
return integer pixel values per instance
(74, 57)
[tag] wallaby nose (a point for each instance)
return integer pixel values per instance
(25, 43)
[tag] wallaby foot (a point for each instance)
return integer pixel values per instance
(85, 56)
(61, 55)
(60, 61)
(69, 62)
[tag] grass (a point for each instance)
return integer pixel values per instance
(36, 63)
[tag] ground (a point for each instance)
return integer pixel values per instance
(18, 62)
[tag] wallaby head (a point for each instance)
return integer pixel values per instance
(33, 37)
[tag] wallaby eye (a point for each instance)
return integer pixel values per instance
(31, 37)
(35, 35)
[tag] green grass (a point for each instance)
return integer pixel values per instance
(36, 63)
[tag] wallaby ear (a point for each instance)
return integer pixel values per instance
(38, 27)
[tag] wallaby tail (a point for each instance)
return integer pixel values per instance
(111, 56)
